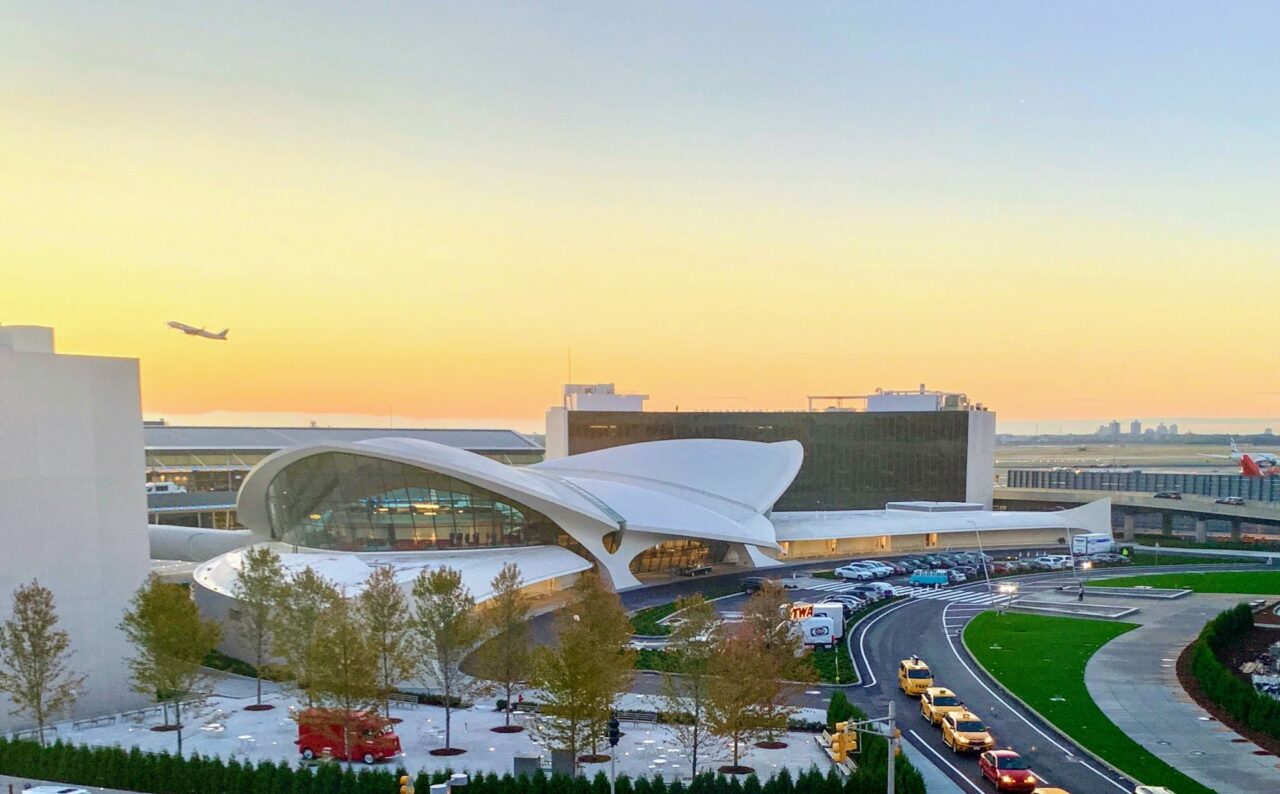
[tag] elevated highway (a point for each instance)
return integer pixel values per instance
(1199, 508)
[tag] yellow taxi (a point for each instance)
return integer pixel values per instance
(914, 676)
(963, 732)
(938, 701)
(1050, 791)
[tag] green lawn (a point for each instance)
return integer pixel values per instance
(646, 620)
(1042, 659)
(1245, 582)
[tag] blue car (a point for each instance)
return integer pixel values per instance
(927, 578)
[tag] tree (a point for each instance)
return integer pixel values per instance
(383, 607)
(446, 628)
(35, 655)
(258, 589)
(505, 658)
(303, 600)
(345, 667)
(171, 641)
(691, 649)
(742, 680)
(767, 613)
(581, 678)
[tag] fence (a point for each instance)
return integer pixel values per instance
(1266, 489)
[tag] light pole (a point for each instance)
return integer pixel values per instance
(892, 739)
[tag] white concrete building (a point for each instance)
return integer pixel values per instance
(635, 512)
(72, 500)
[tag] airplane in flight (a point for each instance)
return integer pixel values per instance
(1248, 468)
(191, 330)
(1261, 459)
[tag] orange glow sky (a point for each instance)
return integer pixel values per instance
(418, 213)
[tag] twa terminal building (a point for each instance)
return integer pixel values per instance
(638, 513)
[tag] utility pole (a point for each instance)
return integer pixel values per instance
(892, 746)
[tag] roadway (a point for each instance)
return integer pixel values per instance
(1202, 506)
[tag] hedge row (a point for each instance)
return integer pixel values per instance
(1238, 697)
(872, 772)
(134, 770)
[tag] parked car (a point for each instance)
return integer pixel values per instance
(1168, 495)
(956, 576)
(1108, 558)
(1230, 500)
(850, 603)
(875, 566)
(964, 731)
(1001, 567)
(855, 572)
(885, 589)
(867, 592)
(1051, 562)
(898, 568)
(1008, 770)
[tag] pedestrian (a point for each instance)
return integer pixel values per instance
(1081, 596)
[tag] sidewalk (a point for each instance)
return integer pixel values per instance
(1134, 681)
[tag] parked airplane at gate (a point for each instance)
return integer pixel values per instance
(191, 330)
(1262, 459)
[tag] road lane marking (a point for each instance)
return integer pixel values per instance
(950, 765)
(1020, 715)
(862, 638)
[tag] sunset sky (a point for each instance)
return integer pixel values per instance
(1068, 210)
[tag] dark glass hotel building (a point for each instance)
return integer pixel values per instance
(852, 460)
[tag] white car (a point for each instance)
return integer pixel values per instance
(855, 572)
(1054, 562)
(884, 570)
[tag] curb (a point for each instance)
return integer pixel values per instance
(1049, 723)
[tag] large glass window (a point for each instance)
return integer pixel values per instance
(337, 500)
(852, 461)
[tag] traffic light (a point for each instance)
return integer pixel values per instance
(406, 784)
(615, 733)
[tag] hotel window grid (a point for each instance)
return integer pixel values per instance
(852, 461)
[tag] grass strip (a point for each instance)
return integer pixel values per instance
(1041, 660)
(1244, 582)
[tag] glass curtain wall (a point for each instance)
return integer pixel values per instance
(348, 502)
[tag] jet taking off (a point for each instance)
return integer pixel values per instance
(191, 330)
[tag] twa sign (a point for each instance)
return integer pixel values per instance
(801, 611)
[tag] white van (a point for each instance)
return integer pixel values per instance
(835, 612)
(818, 630)
(1091, 543)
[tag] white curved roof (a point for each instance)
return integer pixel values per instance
(1094, 517)
(711, 489)
(748, 473)
(350, 571)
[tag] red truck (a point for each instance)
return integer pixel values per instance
(363, 736)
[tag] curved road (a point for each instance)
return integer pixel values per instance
(932, 629)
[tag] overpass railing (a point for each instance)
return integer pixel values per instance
(1264, 489)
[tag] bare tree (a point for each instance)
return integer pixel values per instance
(303, 600)
(384, 609)
(258, 590)
(505, 658)
(446, 628)
(691, 649)
(171, 641)
(35, 670)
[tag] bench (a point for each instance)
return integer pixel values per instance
(636, 717)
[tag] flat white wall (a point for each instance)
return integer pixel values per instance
(72, 505)
(556, 443)
(980, 469)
